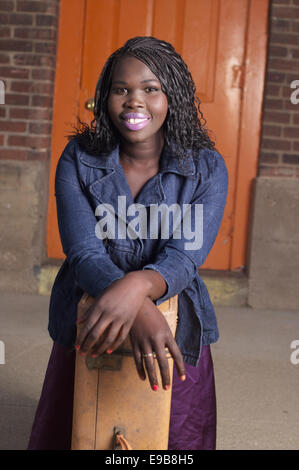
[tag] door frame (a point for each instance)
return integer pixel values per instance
(67, 101)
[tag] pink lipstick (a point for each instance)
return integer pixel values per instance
(135, 121)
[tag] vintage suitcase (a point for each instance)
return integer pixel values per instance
(113, 408)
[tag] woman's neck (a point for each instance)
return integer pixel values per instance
(141, 154)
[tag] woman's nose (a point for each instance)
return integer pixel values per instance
(134, 100)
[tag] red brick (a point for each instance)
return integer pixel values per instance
(284, 38)
(296, 119)
(20, 18)
(296, 146)
(36, 60)
(290, 158)
(40, 128)
(278, 51)
(13, 72)
(275, 77)
(13, 126)
(283, 64)
(30, 113)
(21, 86)
(36, 33)
(4, 59)
(285, 12)
(15, 45)
(275, 144)
(28, 141)
(6, 5)
(43, 74)
(272, 89)
(2, 112)
(292, 132)
(295, 26)
(46, 20)
(45, 47)
(281, 2)
(272, 116)
(266, 157)
(272, 103)
(35, 6)
(16, 99)
(43, 88)
(274, 131)
(1, 139)
(295, 53)
(5, 32)
(42, 101)
(277, 25)
(13, 154)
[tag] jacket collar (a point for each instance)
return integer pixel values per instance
(168, 163)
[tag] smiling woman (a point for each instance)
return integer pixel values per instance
(146, 142)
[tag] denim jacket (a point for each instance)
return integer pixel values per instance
(85, 182)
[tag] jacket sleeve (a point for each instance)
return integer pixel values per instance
(92, 266)
(179, 260)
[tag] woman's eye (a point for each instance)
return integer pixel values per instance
(151, 89)
(120, 91)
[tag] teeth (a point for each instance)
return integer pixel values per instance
(136, 121)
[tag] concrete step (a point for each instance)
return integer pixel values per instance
(225, 288)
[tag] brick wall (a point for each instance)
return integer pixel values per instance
(28, 36)
(279, 152)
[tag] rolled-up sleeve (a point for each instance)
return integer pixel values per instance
(91, 265)
(177, 264)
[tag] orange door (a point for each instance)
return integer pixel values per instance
(224, 45)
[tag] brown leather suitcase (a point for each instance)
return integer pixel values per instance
(113, 408)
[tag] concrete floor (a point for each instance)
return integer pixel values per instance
(257, 385)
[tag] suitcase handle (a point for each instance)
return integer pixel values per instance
(120, 442)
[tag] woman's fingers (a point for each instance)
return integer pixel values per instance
(111, 341)
(177, 357)
(149, 361)
(138, 361)
(90, 334)
(164, 367)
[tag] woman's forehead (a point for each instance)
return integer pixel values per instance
(130, 68)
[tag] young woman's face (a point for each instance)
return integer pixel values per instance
(137, 105)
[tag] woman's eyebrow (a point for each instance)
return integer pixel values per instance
(122, 82)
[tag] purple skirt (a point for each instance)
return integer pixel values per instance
(193, 405)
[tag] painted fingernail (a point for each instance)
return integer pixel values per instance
(167, 387)
(83, 353)
(77, 347)
(109, 351)
(94, 355)
(155, 387)
(182, 378)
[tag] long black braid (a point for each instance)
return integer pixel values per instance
(184, 127)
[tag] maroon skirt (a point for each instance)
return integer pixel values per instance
(193, 405)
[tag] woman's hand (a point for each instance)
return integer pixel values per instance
(108, 321)
(149, 334)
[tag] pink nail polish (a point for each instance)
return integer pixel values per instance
(78, 347)
(109, 351)
(155, 388)
(182, 378)
(167, 387)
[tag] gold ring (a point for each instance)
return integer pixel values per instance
(148, 355)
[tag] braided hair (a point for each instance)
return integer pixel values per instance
(184, 126)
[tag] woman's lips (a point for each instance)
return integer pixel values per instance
(135, 121)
